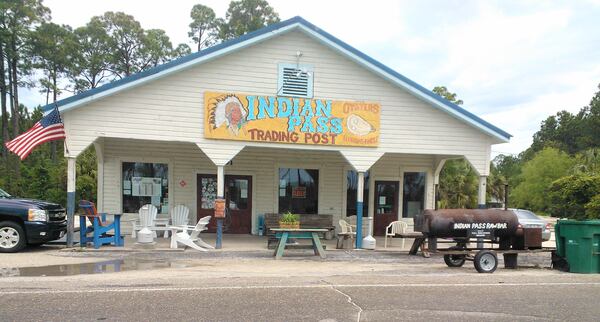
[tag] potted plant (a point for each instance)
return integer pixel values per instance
(290, 221)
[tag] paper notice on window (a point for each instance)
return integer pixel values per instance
(155, 201)
(282, 183)
(382, 200)
(135, 186)
(156, 187)
(127, 184)
(146, 187)
(282, 192)
(127, 192)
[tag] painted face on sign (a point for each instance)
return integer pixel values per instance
(233, 112)
(228, 110)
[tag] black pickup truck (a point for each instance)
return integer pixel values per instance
(26, 221)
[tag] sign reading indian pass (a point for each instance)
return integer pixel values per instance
(232, 116)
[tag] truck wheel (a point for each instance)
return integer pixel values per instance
(485, 261)
(12, 237)
(454, 260)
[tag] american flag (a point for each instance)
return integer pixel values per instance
(49, 128)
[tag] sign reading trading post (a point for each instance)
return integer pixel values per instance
(242, 117)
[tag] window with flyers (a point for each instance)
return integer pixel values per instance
(298, 190)
(145, 183)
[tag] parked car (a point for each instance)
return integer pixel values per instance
(528, 219)
(27, 221)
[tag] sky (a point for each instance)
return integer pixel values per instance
(513, 63)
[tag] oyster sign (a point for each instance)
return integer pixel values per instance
(232, 116)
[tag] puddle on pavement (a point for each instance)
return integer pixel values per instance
(109, 266)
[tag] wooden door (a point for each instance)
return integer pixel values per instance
(238, 202)
(386, 205)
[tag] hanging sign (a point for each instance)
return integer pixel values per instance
(219, 208)
(232, 116)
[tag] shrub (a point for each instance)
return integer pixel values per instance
(575, 196)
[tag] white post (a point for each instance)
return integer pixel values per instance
(220, 181)
(482, 192)
(71, 180)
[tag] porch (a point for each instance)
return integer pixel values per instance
(256, 180)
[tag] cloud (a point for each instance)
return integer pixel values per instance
(523, 120)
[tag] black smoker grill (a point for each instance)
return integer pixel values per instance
(496, 227)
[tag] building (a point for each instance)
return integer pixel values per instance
(286, 118)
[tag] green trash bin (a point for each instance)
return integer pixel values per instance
(579, 243)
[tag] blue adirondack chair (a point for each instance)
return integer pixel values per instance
(99, 228)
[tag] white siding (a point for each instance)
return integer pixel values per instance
(171, 108)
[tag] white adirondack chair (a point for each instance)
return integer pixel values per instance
(395, 227)
(146, 217)
(180, 216)
(346, 232)
(190, 236)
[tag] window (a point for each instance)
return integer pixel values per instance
(414, 194)
(298, 191)
(351, 191)
(145, 183)
(237, 194)
(295, 80)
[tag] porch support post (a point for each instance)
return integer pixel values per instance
(220, 195)
(359, 208)
(71, 179)
(482, 192)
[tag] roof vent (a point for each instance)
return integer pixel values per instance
(295, 80)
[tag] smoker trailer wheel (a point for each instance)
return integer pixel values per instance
(454, 260)
(485, 261)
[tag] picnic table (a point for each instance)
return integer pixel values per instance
(302, 233)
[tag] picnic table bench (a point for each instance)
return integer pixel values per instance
(282, 234)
